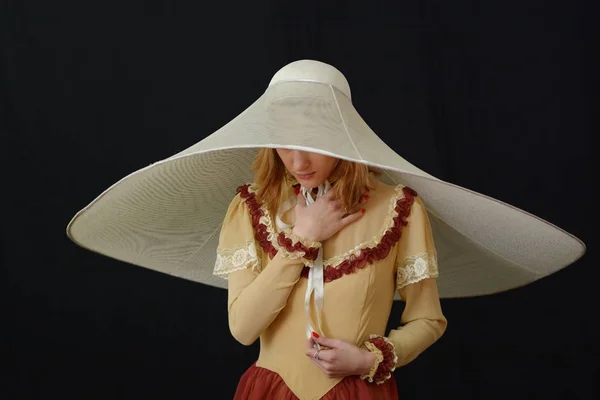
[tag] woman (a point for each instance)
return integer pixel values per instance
(311, 273)
(374, 239)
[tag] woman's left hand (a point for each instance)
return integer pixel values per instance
(338, 358)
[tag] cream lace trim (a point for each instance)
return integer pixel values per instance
(272, 237)
(231, 260)
(295, 255)
(295, 238)
(416, 268)
(387, 224)
(379, 355)
(379, 358)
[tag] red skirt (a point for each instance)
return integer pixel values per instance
(260, 383)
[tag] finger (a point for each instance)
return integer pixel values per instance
(327, 342)
(348, 219)
(311, 353)
(327, 369)
(326, 357)
(324, 354)
(310, 347)
(325, 366)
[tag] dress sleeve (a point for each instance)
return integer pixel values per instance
(422, 322)
(237, 249)
(257, 293)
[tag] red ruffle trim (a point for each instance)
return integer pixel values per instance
(310, 253)
(388, 364)
(262, 234)
(367, 256)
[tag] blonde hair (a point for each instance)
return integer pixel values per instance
(350, 180)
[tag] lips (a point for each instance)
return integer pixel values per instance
(305, 176)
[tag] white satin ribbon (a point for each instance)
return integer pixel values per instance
(315, 284)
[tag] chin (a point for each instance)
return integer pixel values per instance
(314, 185)
(311, 183)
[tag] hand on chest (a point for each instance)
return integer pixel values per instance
(364, 241)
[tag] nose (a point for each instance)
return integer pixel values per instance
(300, 161)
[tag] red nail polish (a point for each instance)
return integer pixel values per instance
(315, 334)
(363, 211)
(297, 190)
(367, 197)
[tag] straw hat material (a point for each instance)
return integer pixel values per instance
(167, 216)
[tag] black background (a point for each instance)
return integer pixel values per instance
(494, 96)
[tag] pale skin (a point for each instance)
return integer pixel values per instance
(320, 221)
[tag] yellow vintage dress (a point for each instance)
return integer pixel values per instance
(390, 250)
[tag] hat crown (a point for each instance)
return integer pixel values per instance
(312, 71)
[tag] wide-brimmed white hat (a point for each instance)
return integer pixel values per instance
(167, 216)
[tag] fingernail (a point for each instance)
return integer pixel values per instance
(315, 334)
(297, 190)
(363, 211)
(367, 197)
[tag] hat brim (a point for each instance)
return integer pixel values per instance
(167, 216)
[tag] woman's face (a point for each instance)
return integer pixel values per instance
(310, 169)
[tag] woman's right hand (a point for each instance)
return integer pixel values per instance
(322, 219)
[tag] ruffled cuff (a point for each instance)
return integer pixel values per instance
(386, 359)
(295, 247)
